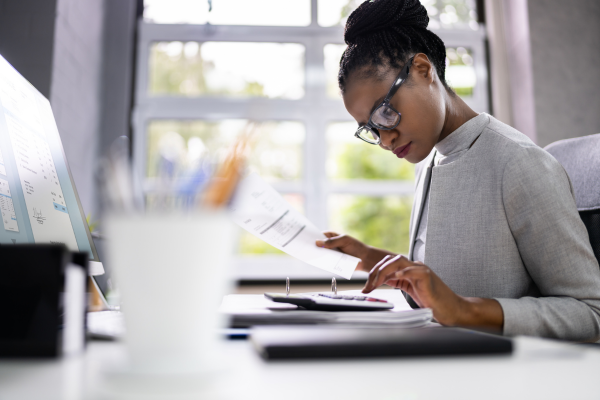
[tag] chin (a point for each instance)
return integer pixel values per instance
(415, 156)
(419, 153)
(414, 160)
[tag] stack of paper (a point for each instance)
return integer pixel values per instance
(251, 310)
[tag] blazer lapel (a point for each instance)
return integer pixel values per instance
(424, 179)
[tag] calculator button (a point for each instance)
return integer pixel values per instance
(348, 297)
(376, 300)
(329, 296)
(360, 298)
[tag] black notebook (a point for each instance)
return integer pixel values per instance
(329, 342)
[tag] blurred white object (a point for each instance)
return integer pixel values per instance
(173, 273)
(74, 309)
(108, 325)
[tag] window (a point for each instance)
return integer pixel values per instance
(228, 12)
(204, 77)
(235, 69)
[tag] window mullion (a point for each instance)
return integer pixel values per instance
(314, 147)
(314, 13)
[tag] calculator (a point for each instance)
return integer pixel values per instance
(331, 302)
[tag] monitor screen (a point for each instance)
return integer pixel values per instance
(38, 199)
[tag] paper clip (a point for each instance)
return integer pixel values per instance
(287, 286)
(333, 286)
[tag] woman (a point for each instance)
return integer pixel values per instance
(496, 240)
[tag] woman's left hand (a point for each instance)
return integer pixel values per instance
(429, 291)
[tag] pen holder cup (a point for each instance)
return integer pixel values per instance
(172, 271)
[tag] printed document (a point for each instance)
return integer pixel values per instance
(260, 210)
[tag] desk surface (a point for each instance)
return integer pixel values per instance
(538, 369)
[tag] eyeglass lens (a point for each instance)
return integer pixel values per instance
(369, 135)
(385, 117)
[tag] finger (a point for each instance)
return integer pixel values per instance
(384, 269)
(333, 242)
(330, 234)
(387, 270)
(383, 261)
(359, 266)
(380, 263)
(403, 278)
(373, 273)
(411, 280)
(413, 273)
(395, 283)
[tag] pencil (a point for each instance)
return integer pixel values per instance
(223, 185)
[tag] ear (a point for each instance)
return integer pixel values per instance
(422, 69)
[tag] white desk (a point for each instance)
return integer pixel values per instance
(539, 369)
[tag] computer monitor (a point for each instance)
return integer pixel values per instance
(38, 199)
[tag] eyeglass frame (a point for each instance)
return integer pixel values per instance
(372, 126)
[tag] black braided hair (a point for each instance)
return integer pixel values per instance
(386, 33)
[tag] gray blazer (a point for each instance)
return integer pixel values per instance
(503, 224)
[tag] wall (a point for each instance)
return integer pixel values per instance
(565, 51)
(75, 92)
(27, 39)
(118, 58)
(79, 54)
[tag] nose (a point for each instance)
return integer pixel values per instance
(388, 138)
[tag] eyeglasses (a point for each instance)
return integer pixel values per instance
(384, 117)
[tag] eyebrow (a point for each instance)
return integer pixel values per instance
(375, 104)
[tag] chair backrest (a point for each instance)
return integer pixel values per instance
(581, 159)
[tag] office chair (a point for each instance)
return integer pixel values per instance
(581, 159)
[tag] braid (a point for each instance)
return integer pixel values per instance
(387, 33)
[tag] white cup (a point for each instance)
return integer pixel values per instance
(172, 271)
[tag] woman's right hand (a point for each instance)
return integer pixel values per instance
(369, 256)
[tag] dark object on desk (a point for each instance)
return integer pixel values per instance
(275, 343)
(331, 302)
(591, 220)
(580, 157)
(42, 289)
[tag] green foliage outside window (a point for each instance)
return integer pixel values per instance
(359, 160)
(175, 71)
(378, 221)
(381, 222)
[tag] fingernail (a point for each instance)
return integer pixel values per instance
(320, 243)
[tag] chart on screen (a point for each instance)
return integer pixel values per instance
(9, 218)
(25, 119)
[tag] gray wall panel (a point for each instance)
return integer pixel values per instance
(75, 93)
(565, 49)
(119, 20)
(27, 39)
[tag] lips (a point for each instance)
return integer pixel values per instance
(402, 151)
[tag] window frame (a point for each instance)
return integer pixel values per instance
(315, 110)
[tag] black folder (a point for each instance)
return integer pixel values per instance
(33, 293)
(341, 342)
